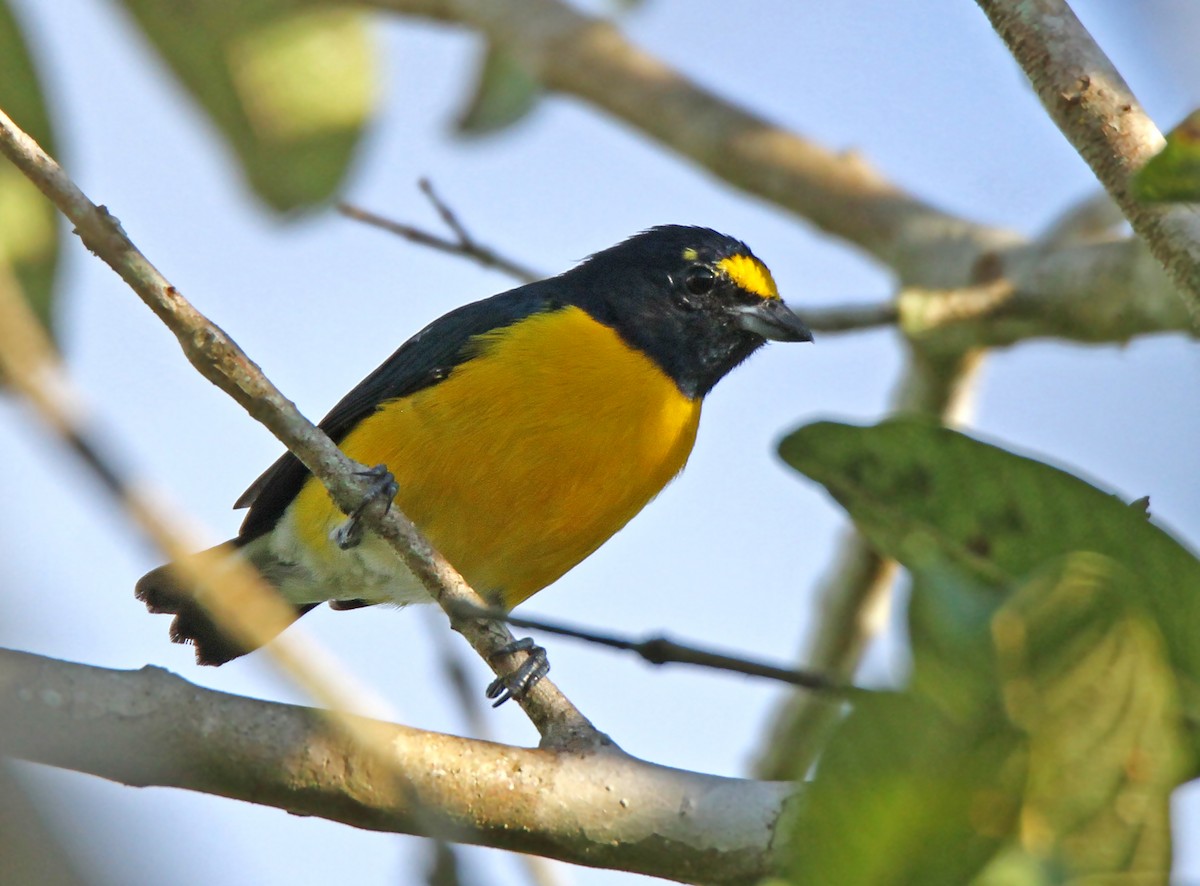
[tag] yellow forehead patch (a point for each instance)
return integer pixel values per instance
(750, 274)
(690, 254)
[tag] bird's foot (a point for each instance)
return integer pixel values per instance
(383, 489)
(517, 683)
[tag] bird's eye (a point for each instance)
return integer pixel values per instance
(699, 279)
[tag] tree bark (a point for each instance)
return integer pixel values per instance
(601, 807)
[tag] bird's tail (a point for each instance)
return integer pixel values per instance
(165, 590)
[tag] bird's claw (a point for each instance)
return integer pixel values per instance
(383, 488)
(517, 683)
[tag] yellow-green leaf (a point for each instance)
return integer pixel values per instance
(290, 87)
(906, 795)
(29, 224)
(1173, 174)
(1060, 772)
(1084, 674)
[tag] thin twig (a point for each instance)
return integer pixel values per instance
(448, 215)
(462, 245)
(1097, 112)
(841, 319)
(662, 650)
(855, 597)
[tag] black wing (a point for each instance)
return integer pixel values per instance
(424, 360)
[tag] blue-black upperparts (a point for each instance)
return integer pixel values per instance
(659, 290)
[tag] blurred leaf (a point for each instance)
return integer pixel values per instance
(970, 520)
(1085, 676)
(29, 226)
(1015, 867)
(905, 795)
(291, 88)
(505, 91)
(950, 623)
(1059, 774)
(1173, 174)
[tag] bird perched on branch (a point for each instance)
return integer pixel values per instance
(522, 431)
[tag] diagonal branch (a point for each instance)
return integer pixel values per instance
(1095, 109)
(604, 809)
(218, 358)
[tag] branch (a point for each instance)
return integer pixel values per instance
(660, 649)
(1069, 289)
(602, 808)
(1065, 286)
(463, 243)
(31, 848)
(1092, 218)
(588, 57)
(1082, 293)
(1095, 109)
(218, 358)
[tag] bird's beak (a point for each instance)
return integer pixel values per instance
(773, 320)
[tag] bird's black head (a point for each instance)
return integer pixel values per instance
(696, 301)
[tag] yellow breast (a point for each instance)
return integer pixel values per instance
(529, 456)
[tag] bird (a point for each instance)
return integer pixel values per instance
(519, 432)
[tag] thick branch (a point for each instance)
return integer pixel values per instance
(31, 850)
(601, 808)
(1097, 112)
(1094, 293)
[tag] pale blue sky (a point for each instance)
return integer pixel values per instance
(728, 555)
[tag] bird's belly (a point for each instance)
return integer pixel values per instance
(520, 464)
(307, 567)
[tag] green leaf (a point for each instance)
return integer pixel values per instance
(904, 794)
(29, 224)
(505, 92)
(1085, 676)
(1059, 773)
(291, 88)
(1173, 174)
(970, 521)
(950, 628)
